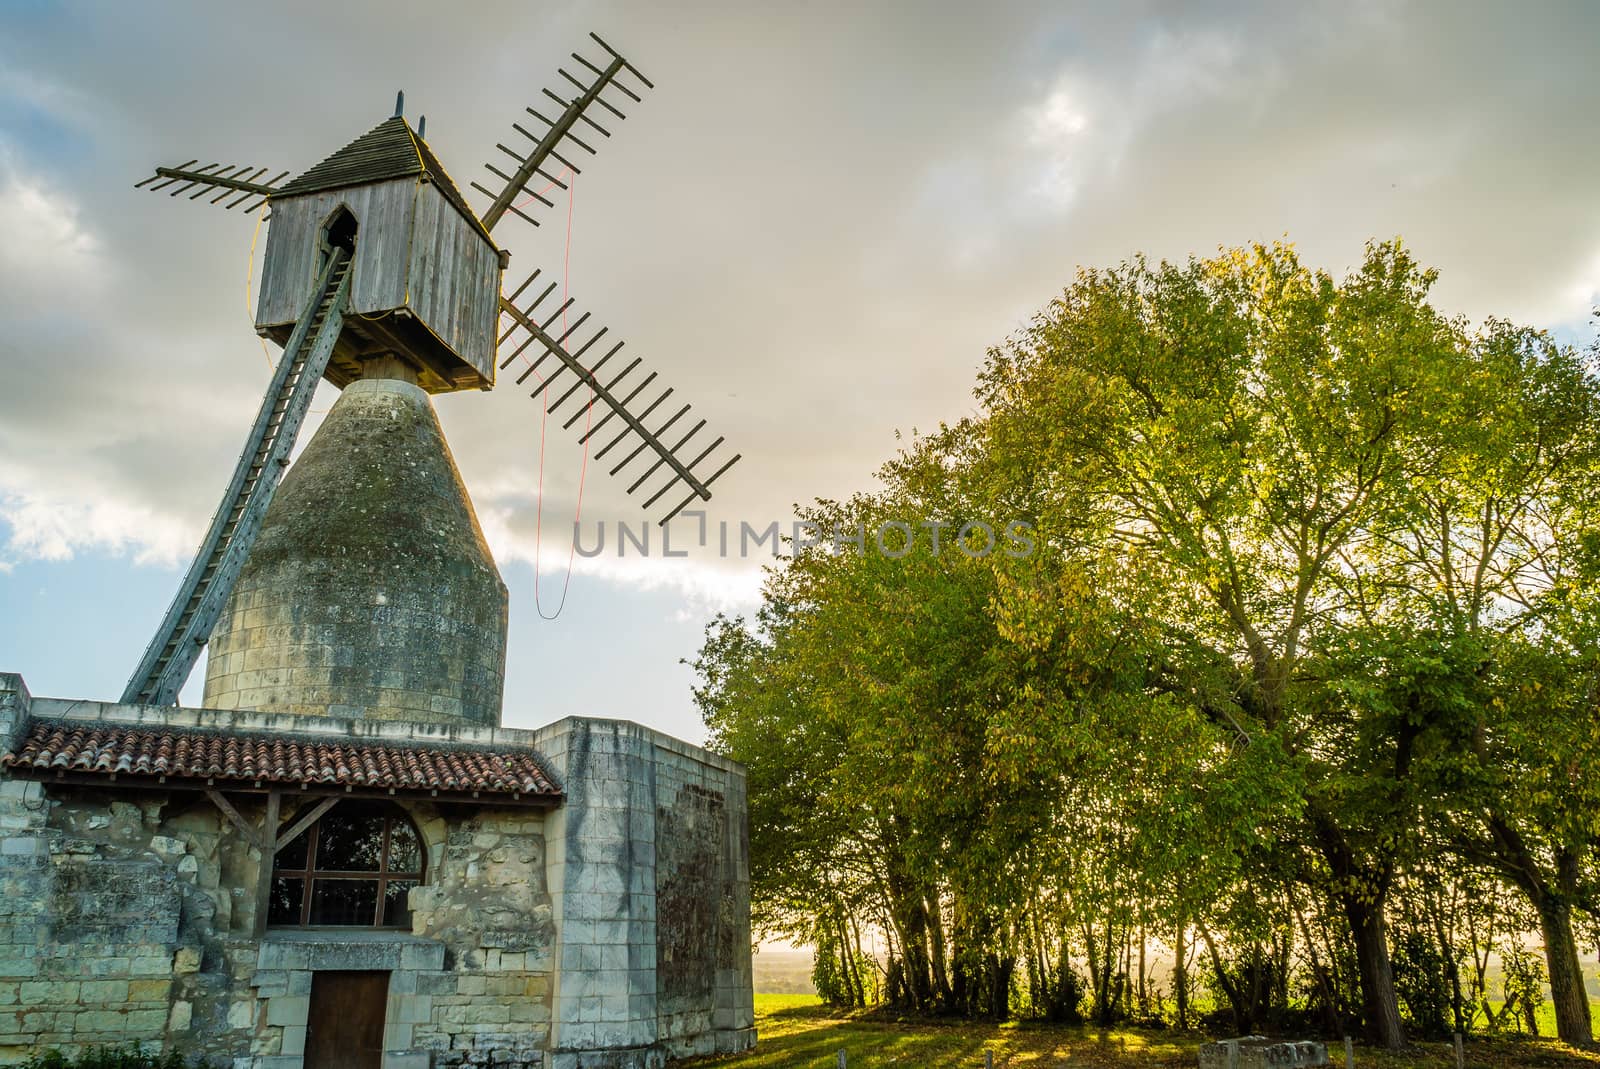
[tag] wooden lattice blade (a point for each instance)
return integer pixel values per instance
(229, 182)
(560, 135)
(614, 395)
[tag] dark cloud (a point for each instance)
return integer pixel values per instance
(814, 228)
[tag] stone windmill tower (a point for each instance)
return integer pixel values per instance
(366, 588)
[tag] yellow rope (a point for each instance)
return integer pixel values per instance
(249, 279)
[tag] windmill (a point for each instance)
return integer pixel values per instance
(374, 255)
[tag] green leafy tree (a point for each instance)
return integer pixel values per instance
(1233, 428)
(1490, 551)
(1313, 594)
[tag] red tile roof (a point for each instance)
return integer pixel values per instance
(54, 745)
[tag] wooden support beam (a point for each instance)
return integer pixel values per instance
(546, 147)
(248, 830)
(269, 831)
(218, 179)
(309, 818)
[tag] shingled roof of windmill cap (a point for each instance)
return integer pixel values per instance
(64, 746)
(389, 150)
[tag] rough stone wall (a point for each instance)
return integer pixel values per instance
(116, 924)
(690, 874)
(370, 591)
(703, 970)
(485, 899)
(99, 937)
(535, 942)
(128, 916)
(121, 924)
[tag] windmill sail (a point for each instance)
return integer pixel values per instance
(662, 437)
(187, 625)
(236, 185)
(558, 138)
(530, 328)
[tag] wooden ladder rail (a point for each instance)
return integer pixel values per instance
(186, 627)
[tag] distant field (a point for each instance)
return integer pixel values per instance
(797, 1030)
(781, 971)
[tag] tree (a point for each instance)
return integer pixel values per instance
(1312, 593)
(1489, 551)
(1233, 428)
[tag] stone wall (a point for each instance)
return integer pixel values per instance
(612, 932)
(90, 951)
(649, 876)
(485, 900)
(703, 969)
(115, 924)
(129, 915)
(118, 926)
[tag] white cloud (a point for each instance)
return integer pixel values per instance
(57, 519)
(1057, 130)
(1090, 115)
(47, 244)
(1578, 300)
(833, 272)
(707, 584)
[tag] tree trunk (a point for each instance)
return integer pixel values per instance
(1380, 1008)
(1366, 890)
(941, 978)
(1096, 981)
(1567, 991)
(1551, 896)
(1144, 998)
(852, 977)
(919, 978)
(857, 955)
(1108, 960)
(910, 917)
(1241, 1016)
(1180, 979)
(1037, 995)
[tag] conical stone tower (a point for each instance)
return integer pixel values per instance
(370, 591)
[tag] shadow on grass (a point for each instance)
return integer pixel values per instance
(802, 1033)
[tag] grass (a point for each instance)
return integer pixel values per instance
(799, 1031)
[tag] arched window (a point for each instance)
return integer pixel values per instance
(352, 868)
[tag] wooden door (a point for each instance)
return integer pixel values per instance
(344, 1029)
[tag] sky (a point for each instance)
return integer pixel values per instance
(814, 229)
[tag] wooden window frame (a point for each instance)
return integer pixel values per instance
(382, 876)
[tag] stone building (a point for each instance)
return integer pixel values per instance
(345, 860)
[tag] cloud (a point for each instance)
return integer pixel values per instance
(1087, 120)
(49, 248)
(57, 521)
(45, 232)
(639, 559)
(812, 230)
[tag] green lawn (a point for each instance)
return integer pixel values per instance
(797, 1030)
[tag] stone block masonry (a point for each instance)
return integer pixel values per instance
(611, 932)
(370, 591)
(650, 879)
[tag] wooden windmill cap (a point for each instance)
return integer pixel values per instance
(389, 150)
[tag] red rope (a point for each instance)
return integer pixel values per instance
(583, 470)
